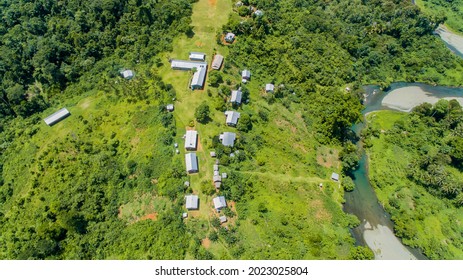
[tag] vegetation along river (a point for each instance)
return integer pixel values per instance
(376, 228)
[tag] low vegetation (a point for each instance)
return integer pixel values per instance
(416, 170)
(448, 11)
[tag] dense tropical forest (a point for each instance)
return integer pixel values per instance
(416, 168)
(451, 11)
(107, 183)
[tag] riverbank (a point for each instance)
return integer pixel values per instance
(406, 98)
(453, 40)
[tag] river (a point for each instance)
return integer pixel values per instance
(376, 228)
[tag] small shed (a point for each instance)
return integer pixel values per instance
(259, 13)
(192, 202)
(187, 183)
(223, 219)
(246, 75)
(191, 163)
(228, 139)
(236, 96)
(229, 37)
(335, 176)
(217, 178)
(232, 118)
(185, 215)
(57, 117)
(217, 62)
(216, 167)
(217, 185)
(269, 88)
(170, 107)
(224, 175)
(212, 154)
(127, 74)
(216, 173)
(191, 140)
(219, 203)
(198, 56)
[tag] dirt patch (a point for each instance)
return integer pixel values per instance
(85, 104)
(320, 212)
(199, 44)
(151, 216)
(300, 147)
(194, 214)
(328, 158)
(285, 123)
(206, 243)
(134, 141)
(212, 3)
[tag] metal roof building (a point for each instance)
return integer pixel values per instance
(217, 62)
(199, 56)
(232, 118)
(223, 219)
(219, 203)
(228, 138)
(186, 64)
(236, 96)
(57, 116)
(335, 176)
(217, 178)
(198, 77)
(192, 202)
(170, 107)
(191, 140)
(127, 74)
(246, 74)
(191, 163)
(229, 37)
(269, 88)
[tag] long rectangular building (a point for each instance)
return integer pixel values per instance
(57, 116)
(191, 140)
(191, 162)
(198, 78)
(186, 64)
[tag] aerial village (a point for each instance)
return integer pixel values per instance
(198, 66)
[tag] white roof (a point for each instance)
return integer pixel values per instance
(186, 65)
(269, 87)
(232, 117)
(199, 76)
(57, 116)
(223, 219)
(192, 202)
(216, 167)
(224, 175)
(335, 176)
(217, 62)
(258, 13)
(219, 202)
(230, 35)
(236, 96)
(228, 138)
(127, 74)
(170, 106)
(246, 74)
(191, 139)
(217, 178)
(191, 162)
(197, 56)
